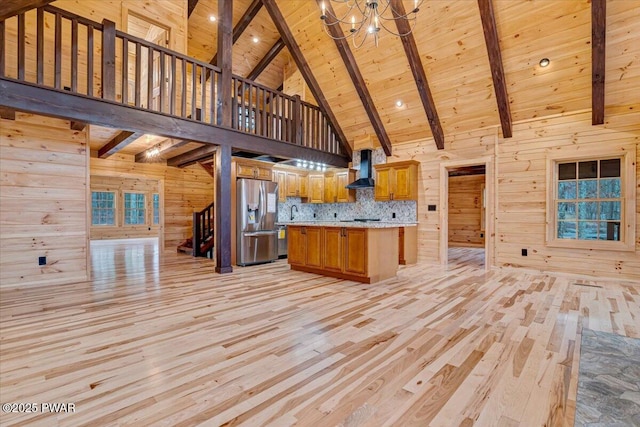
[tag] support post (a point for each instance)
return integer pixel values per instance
(223, 209)
(108, 60)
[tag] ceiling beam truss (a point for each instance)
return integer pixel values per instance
(267, 59)
(495, 60)
(415, 63)
(117, 143)
(305, 70)
(191, 6)
(159, 149)
(356, 77)
(242, 25)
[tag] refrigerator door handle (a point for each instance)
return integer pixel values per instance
(260, 233)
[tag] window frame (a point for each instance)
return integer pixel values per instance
(627, 155)
(115, 208)
(124, 209)
(155, 211)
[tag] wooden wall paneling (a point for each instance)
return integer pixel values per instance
(186, 190)
(465, 211)
(43, 202)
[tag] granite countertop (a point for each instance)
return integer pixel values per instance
(353, 224)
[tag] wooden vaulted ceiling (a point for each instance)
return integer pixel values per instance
(450, 43)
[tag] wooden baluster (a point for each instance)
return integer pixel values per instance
(203, 88)
(183, 111)
(250, 104)
(212, 99)
(162, 84)
(150, 78)
(196, 234)
(297, 120)
(138, 82)
(2, 63)
(21, 46)
(90, 60)
(125, 70)
(194, 81)
(74, 55)
(39, 46)
(108, 60)
(266, 114)
(172, 82)
(58, 52)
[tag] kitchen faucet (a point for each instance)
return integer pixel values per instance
(293, 206)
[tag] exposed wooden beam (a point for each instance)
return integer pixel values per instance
(415, 63)
(495, 61)
(31, 98)
(193, 156)
(117, 143)
(356, 77)
(15, 7)
(7, 113)
(75, 125)
(242, 25)
(159, 149)
(598, 32)
(266, 60)
(190, 7)
(305, 70)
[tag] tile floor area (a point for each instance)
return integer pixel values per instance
(608, 381)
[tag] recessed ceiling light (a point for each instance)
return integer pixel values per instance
(544, 62)
(256, 40)
(212, 18)
(399, 103)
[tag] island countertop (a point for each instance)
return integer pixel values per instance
(350, 224)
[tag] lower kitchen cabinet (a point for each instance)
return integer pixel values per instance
(408, 245)
(361, 254)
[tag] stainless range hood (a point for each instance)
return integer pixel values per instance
(366, 177)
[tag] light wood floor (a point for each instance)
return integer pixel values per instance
(161, 339)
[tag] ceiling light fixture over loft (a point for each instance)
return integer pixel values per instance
(544, 62)
(361, 18)
(212, 18)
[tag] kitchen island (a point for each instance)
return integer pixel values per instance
(361, 251)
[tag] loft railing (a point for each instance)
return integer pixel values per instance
(57, 49)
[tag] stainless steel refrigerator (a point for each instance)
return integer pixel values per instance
(257, 210)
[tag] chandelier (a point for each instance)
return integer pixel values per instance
(360, 19)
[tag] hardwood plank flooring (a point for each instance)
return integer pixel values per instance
(160, 339)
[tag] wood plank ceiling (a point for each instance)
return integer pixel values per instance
(455, 59)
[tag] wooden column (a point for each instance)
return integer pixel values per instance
(225, 44)
(598, 63)
(223, 209)
(223, 154)
(109, 60)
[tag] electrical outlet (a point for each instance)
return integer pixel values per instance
(481, 234)
(431, 208)
(525, 252)
(42, 260)
(335, 215)
(393, 215)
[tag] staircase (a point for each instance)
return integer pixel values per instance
(202, 241)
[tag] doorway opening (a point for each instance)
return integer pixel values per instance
(466, 231)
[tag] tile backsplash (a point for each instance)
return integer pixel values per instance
(364, 207)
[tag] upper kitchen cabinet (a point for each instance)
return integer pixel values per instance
(330, 188)
(397, 181)
(316, 188)
(296, 184)
(281, 178)
(343, 194)
(253, 169)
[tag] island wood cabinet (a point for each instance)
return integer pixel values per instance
(397, 181)
(353, 253)
(407, 245)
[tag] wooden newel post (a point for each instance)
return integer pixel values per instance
(108, 60)
(297, 120)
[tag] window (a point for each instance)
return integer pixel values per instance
(591, 202)
(156, 209)
(103, 208)
(134, 211)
